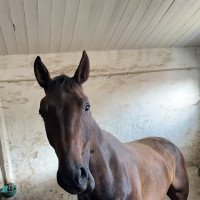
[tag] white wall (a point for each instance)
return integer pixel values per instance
(133, 94)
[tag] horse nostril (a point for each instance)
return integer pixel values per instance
(83, 173)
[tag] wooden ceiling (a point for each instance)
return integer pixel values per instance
(53, 26)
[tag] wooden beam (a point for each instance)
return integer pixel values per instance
(32, 25)
(19, 25)
(71, 12)
(184, 13)
(44, 17)
(92, 22)
(7, 28)
(82, 18)
(57, 19)
(3, 49)
(138, 15)
(123, 23)
(148, 16)
(102, 24)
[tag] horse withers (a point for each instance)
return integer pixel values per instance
(94, 164)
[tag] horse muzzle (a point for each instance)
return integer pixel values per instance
(90, 183)
(76, 185)
(71, 186)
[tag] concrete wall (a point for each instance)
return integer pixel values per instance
(133, 94)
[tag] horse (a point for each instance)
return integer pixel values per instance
(92, 163)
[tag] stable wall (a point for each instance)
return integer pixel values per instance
(133, 94)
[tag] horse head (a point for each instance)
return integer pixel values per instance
(65, 110)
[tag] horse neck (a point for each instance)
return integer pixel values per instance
(104, 146)
(99, 140)
(97, 136)
(105, 161)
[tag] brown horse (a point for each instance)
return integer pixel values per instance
(92, 163)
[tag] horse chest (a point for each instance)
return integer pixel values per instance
(111, 177)
(117, 190)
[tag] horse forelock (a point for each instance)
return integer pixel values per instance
(66, 83)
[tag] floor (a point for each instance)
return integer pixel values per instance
(194, 194)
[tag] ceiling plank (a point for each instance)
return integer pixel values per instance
(19, 24)
(123, 23)
(153, 23)
(112, 23)
(194, 42)
(50, 26)
(44, 18)
(71, 12)
(93, 19)
(3, 50)
(181, 16)
(191, 37)
(7, 28)
(57, 19)
(140, 12)
(162, 23)
(169, 39)
(82, 18)
(101, 27)
(151, 11)
(184, 28)
(31, 14)
(187, 34)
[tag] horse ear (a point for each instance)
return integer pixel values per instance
(82, 73)
(41, 73)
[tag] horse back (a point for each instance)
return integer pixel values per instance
(165, 149)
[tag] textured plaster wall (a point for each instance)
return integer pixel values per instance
(133, 94)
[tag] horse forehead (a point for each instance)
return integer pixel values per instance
(61, 97)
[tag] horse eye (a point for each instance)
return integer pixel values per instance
(87, 107)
